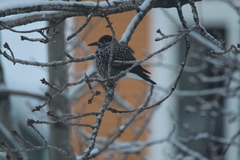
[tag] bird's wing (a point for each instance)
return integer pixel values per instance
(123, 53)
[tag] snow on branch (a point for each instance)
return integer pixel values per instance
(17, 14)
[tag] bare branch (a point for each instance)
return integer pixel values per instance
(62, 10)
(108, 98)
(8, 92)
(48, 64)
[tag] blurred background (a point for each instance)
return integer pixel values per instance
(201, 118)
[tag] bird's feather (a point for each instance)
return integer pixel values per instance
(107, 46)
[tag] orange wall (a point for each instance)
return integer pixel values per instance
(131, 90)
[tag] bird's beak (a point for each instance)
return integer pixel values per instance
(94, 44)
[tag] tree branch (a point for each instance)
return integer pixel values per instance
(47, 64)
(52, 10)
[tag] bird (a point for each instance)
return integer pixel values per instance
(121, 52)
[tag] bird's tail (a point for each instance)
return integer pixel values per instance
(146, 77)
(140, 72)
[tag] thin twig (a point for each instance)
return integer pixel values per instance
(89, 17)
(8, 48)
(47, 64)
(38, 108)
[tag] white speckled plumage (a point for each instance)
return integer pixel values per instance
(121, 52)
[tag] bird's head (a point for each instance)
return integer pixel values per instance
(104, 41)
